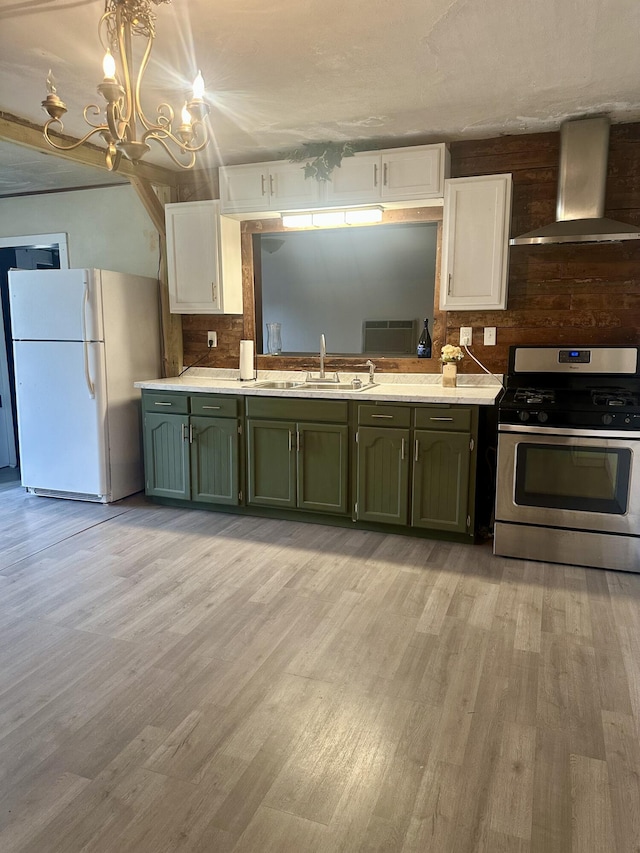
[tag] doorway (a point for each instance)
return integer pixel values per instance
(34, 251)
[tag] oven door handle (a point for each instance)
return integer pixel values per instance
(581, 432)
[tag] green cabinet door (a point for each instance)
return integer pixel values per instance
(214, 460)
(441, 480)
(322, 467)
(271, 469)
(383, 475)
(166, 455)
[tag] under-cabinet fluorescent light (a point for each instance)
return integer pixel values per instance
(297, 220)
(331, 218)
(363, 215)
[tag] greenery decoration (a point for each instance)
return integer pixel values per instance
(321, 158)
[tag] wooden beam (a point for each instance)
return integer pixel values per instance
(151, 203)
(17, 130)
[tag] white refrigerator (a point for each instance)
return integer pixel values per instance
(81, 338)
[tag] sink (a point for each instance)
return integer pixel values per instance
(281, 384)
(332, 386)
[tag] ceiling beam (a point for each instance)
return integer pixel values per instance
(15, 129)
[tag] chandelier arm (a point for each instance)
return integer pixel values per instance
(128, 116)
(54, 144)
(148, 125)
(161, 134)
(161, 141)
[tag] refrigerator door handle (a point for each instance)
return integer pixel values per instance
(87, 374)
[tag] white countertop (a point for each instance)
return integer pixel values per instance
(472, 389)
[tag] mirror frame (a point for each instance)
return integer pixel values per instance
(250, 261)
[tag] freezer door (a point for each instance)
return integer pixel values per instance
(62, 425)
(56, 305)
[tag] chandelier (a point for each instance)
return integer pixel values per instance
(123, 126)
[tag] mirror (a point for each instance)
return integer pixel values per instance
(367, 288)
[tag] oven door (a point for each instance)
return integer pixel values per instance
(576, 479)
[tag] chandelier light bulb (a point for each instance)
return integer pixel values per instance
(186, 116)
(198, 86)
(109, 66)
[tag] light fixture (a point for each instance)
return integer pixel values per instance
(332, 218)
(125, 127)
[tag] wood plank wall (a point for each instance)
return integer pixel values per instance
(575, 294)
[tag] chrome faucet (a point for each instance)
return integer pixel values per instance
(323, 355)
(368, 363)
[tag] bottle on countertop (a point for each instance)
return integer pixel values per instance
(424, 342)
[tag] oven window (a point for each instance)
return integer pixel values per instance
(581, 478)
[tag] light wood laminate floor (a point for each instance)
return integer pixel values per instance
(173, 680)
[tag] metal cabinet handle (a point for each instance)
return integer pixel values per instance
(384, 175)
(383, 416)
(214, 291)
(271, 184)
(183, 427)
(440, 419)
(162, 404)
(212, 407)
(290, 442)
(403, 447)
(449, 285)
(264, 187)
(417, 450)
(298, 442)
(375, 174)
(190, 434)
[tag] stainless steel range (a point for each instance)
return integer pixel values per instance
(568, 481)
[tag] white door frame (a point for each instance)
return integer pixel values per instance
(23, 241)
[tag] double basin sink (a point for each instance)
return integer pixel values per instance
(286, 384)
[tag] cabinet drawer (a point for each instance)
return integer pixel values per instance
(396, 416)
(334, 411)
(157, 402)
(219, 407)
(454, 418)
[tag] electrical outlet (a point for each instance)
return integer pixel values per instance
(490, 336)
(212, 339)
(466, 333)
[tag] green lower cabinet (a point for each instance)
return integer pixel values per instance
(322, 467)
(166, 455)
(383, 475)
(440, 493)
(298, 465)
(214, 460)
(271, 470)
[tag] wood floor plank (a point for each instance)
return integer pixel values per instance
(178, 680)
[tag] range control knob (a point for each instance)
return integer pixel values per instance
(543, 417)
(607, 419)
(524, 416)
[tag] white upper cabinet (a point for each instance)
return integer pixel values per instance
(259, 187)
(395, 174)
(477, 215)
(204, 266)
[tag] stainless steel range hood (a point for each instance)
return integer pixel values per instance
(584, 145)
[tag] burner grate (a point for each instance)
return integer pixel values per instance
(534, 396)
(617, 397)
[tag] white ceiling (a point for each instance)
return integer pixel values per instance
(283, 72)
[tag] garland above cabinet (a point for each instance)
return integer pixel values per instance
(393, 175)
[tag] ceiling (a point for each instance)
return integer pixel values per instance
(283, 72)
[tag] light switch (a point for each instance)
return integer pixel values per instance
(490, 336)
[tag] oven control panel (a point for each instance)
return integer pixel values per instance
(574, 356)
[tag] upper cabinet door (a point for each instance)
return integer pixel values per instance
(356, 181)
(244, 188)
(289, 189)
(409, 173)
(203, 259)
(477, 215)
